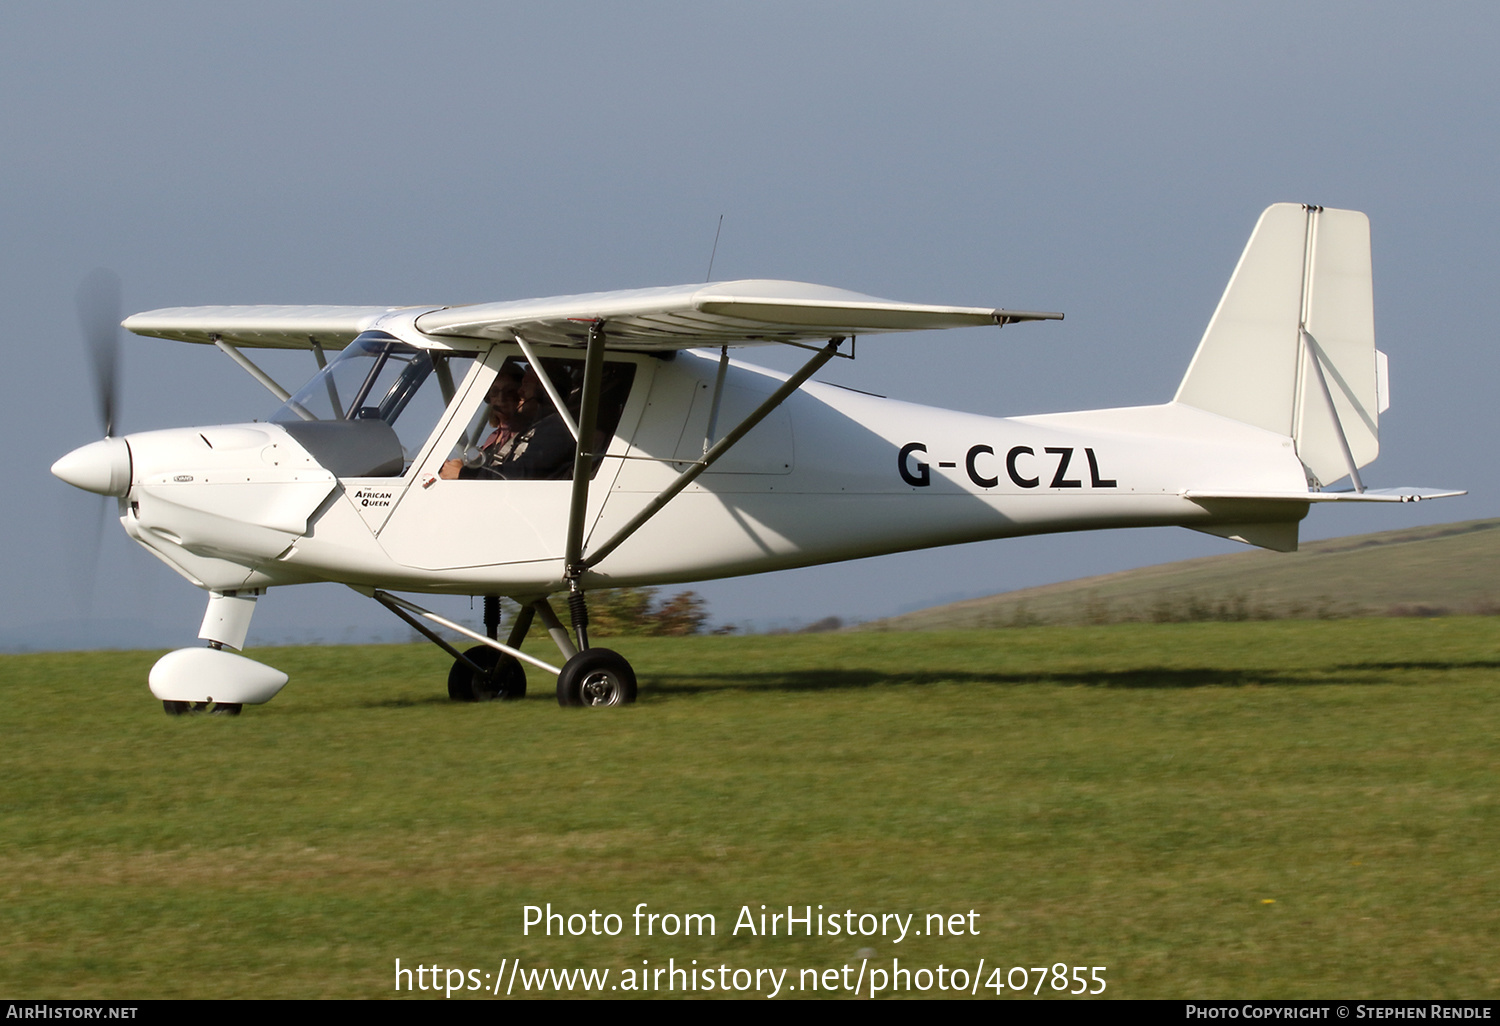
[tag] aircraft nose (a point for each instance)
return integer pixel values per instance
(102, 466)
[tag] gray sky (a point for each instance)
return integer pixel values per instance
(1104, 159)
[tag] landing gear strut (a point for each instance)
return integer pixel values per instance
(484, 674)
(216, 679)
(502, 677)
(594, 676)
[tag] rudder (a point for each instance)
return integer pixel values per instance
(1291, 347)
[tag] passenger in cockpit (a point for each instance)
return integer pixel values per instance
(544, 451)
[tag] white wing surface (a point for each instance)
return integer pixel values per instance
(751, 312)
(738, 313)
(262, 327)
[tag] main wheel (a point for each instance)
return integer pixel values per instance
(176, 708)
(596, 676)
(504, 677)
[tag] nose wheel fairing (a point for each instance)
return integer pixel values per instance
(212, 675)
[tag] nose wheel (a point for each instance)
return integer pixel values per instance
(596, 676)
(217, 708)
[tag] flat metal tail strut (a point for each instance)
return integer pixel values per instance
(1316, 356)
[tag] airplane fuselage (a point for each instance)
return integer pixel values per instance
(832, 474)
(426, 458)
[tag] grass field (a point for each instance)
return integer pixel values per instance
(1291, 809)
(1432, 570)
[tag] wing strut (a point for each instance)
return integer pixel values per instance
(551, 389)
(713, 410)
(575, 561)
(583, 467)
(583, 458)
(254, 371)
(690, 475)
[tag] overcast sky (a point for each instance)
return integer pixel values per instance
(1104, 159)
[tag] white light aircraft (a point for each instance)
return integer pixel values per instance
(546, 446)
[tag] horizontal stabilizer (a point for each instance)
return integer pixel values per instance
(1402, 494)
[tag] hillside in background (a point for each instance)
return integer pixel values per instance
(1421, 571)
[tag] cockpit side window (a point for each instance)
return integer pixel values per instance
(521, 433)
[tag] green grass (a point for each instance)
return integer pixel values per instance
(1438, 569)
(1293, 809)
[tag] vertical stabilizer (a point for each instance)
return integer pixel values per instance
(1291, 347)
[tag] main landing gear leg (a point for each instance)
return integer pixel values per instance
(554, 626)
(485, 672)
(594, 676)
(597, 676)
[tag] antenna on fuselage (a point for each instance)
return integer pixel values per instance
(709, 276)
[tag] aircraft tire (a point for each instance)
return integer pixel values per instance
(176, 708)
(596, 676)
(507, 684)
(228, 708)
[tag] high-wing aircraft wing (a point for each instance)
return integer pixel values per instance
(751, 312)
(259, 327)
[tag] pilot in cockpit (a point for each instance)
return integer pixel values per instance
(507, 420)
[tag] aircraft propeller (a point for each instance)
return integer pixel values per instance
(102, 466)
(99, 313)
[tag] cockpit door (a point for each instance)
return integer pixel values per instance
(443, 524)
